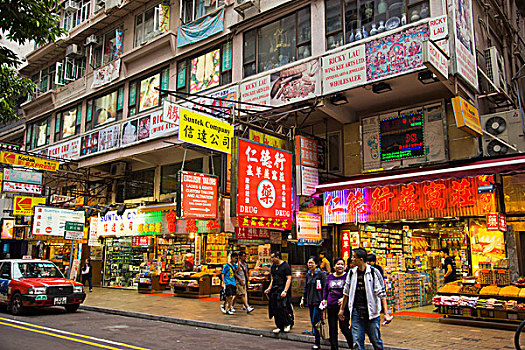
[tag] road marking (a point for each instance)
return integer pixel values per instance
(26, 325)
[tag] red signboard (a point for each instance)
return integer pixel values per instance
(502, 224)
(492, 222)
(270, 223)
(264, 181)
(306, 151)
(140, 241)
(346, 244)
(198, 195)
(252, 233)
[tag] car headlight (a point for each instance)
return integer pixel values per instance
(78, 289)
(37, 290)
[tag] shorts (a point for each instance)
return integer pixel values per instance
(230, 290)
(241, 290)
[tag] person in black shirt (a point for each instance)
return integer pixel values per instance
(313, 295)
(371, 260)
(448, 265)
(280, 306)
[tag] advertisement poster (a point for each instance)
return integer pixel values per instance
(89, 144)
(149, 96)
(219, 102)
(395, 54)
(264, 181)
(465, 45)
(485, 245)
(69, 122)
(198, 195)
(205, 71)
(370, 144)
(65, 150)
(129, 132)
(8, 228)
(29, 177)
(296, 83)
(108, 138)
(106, 74)
(344, 70)
(24, 205)
(205, 131)
(308, 229)
(307, 180)
(143, 125)
(105, 108)
(28, 161)
(52, 221)
(21, 187)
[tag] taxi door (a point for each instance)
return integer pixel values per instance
(5, 279)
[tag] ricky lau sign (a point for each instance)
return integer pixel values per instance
(198, 195)
(264, 181)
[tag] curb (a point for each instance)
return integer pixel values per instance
(223, 327)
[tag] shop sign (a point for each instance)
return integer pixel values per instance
(106, 74)
(485, 245)
(402, 137)
(112, 224)
(268, 140)
(146, 128)
(438, 28)
(253, 233)
(344, 70)
(346, 244)
(141, 241)
(21, 187)
(197, 195)
(170, 113)
(308, 228)
(64, 201)
(306, 151)
(492, 221)
(264, 252)
(74, 231)
(307, 180)
(93, 235)
(28, 161)
(198, 250)
(440, 198)
(28, 177)
(297, 83)
(8, 228)
(502, 223)
(24, 205)
(464, 42)
(52, 221)
(270, 223)
(218, 103)
(205, 131)
(467, 116)
(263, 181)
(65, 150)
(435, 59)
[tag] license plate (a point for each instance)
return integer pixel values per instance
(60, 301)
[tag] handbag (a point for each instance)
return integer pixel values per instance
(322, 327)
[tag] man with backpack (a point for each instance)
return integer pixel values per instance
(364, 294)
(229, 277)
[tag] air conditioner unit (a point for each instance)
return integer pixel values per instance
(242, 5)
(74, 51)
(71, 6)
(118, 169)
(506, 126)
(92, 40)
(495, 68)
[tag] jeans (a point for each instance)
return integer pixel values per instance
(89, 279)
(315, 316)
(333, 320)
(371, 327)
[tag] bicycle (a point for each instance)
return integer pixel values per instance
(517, 337)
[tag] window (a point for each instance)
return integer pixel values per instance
(69, 70)
(168, 174)
(278, 43)
(138, 184)
(109, 49)
(38, 133)
(105, 109)
(151, 23)
(349, 21)
(143, 94)
(36, 270)
(206, 71)
(44, 80)
(193, 9)
(67, 123)
(71, 19)
(5, 270)
(335, 152)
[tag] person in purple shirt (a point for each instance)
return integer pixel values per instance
(332, 297)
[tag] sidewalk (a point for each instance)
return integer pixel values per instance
(405, 332)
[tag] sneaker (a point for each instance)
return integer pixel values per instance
(249, 309)
(229, 312)
(223, 309)
(287, 329)
(276, 330)
(232, 309)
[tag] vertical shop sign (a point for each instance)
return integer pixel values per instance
(170, 113)
(308, 228)
(198, 249)
(93, 234)
(464, 43)
(197, 195)
(306, 151)
(438, 28)
(344, 70)
(346, 244)
(502, 223)
(307, 180)
(164, 16)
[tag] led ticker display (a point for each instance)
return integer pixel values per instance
(402, 137)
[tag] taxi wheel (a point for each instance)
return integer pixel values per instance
(16, 304)
(72, 307)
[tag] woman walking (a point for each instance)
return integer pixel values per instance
(313, 295)
(332, 297)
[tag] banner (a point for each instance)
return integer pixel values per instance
(28, 161)
(197, 195)
(205, 131)
(24, 205)
(308, 227)
(252, 233)
(106, 74)
(464, 43)
(21, 187)
(49, 221)
(16, 175)
(66, 150)
(200, 29)
(344, 70)
(307, 180)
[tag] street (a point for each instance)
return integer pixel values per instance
(55, 329)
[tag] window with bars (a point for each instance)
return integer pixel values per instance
(278, 43)
(67, 123)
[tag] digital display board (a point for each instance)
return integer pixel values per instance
(402, 137)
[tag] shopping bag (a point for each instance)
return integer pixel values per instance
(222, 296)
(322, 328)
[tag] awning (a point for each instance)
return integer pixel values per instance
(482, 167)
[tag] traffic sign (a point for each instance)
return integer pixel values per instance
(74, 231)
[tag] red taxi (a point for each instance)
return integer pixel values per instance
(37, 283)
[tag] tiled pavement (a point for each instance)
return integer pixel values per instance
(403, 332)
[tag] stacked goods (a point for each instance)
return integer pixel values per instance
(489, 290)
(502, 277)
(510, 291)
(469, 289)
(449, 288)
(486, 276)
(485, 266)
(522, 293)
(468, 301)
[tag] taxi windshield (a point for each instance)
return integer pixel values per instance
(36, 270)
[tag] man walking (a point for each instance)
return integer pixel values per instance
(279, 306)
(229, 275)
(364, 294)
(448, 265)
(242, 282)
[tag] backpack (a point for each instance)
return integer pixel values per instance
(373, 276)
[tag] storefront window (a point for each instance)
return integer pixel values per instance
(193, 9)
(143, 94)
(169, 174)
(278, 43)
(119, 250)
(38, 133)
(67, 123)
(105, 109)
(151, 23)
(138, 184)
(349, 21)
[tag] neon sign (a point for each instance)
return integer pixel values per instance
(402, 137)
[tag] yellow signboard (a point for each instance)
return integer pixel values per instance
(467, 116)
(28, 161)
(24, 205)
(205, 131)
(269, 140)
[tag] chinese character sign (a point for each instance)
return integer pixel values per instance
(264, 181)
(306, 151)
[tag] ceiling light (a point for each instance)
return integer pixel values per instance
(379, 88)
(338, 99)
(427, 77)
